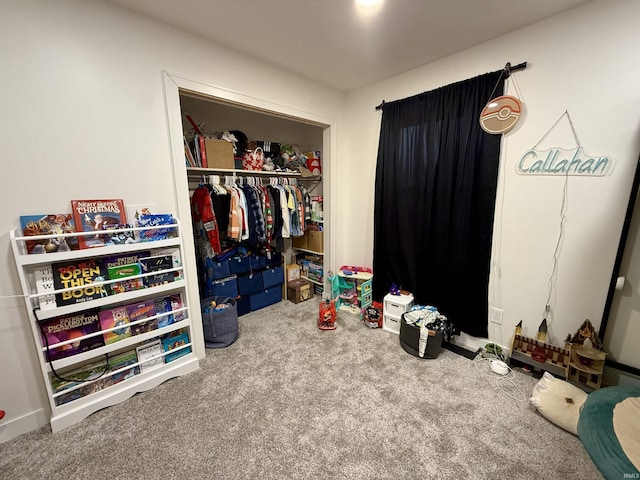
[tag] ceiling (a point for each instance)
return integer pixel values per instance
(345, 47)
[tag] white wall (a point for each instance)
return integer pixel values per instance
(582, 61)
(83, 116)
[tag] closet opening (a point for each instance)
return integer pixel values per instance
(219, 110)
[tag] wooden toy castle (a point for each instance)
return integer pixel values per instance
(580, 361)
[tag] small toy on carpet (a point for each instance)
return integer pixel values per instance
(327, 316)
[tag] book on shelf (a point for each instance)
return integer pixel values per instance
(176, 259)
(115, 317)
(82, 273)
(92, 376)
(119, 272)
(121, 237)
(163, 305)
(43, 276)
(188, 154)
(174, 342)
(203, 151)
(135, 211)
(195, 148)
(149, 355)
(123, 360)
(157, 264)
(139, 311)
(176, 303)
(156, 220)
(49, 224)
(96, 216)
(70, 327)
(118, 265)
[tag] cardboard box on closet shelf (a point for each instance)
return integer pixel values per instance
(299, 242)
(219, 153)
(299, 290)
(311, 240)
(293, 272)
(314, 240)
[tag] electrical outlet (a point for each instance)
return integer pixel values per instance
(496, 315)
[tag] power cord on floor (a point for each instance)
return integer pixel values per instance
(502, 372)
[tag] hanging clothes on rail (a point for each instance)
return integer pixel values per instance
(234, 231)
(204, 221)
(257, 232)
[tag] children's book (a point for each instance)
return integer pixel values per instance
(176, 303)
(87, 372)
(119, 237)
(135, 211)
(163, 305)
(122, 272)
(96, 216)
(115, 317)
(122, 360)
(125, 259)
(69, 327)
(49, 224)
(175, 256)
(149, 354)
(114, 263)
(158, 220)
(43, 275)
(157, 264)
(93, 377)
(138, 311)
(173, 343)
(81, 273)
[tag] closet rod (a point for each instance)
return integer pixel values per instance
(207, 171)
(506, 72)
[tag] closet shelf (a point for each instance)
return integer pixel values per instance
(307, 251)
(312, 281)
(207, 171)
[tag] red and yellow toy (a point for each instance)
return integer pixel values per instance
(327, 316)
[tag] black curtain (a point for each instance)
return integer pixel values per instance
(435, 192)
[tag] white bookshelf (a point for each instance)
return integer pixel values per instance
(67, 414)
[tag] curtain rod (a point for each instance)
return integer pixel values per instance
(506, 72)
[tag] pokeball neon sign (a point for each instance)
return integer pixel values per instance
(501, 114)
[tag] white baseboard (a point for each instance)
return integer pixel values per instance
(11, 428)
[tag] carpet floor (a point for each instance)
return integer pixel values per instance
(289, 401)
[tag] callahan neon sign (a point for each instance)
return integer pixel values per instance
(556, 161)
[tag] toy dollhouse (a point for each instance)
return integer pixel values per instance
(352, 288)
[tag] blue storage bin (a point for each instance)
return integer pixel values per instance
(226, 287)
(275, 260)
(244, 305)
(250, 283)
(239, 265)
(272, 276)
(217, 269)
(257, 261)
(267, 297)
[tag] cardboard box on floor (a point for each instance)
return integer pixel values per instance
(293, 272)
(299, 290)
